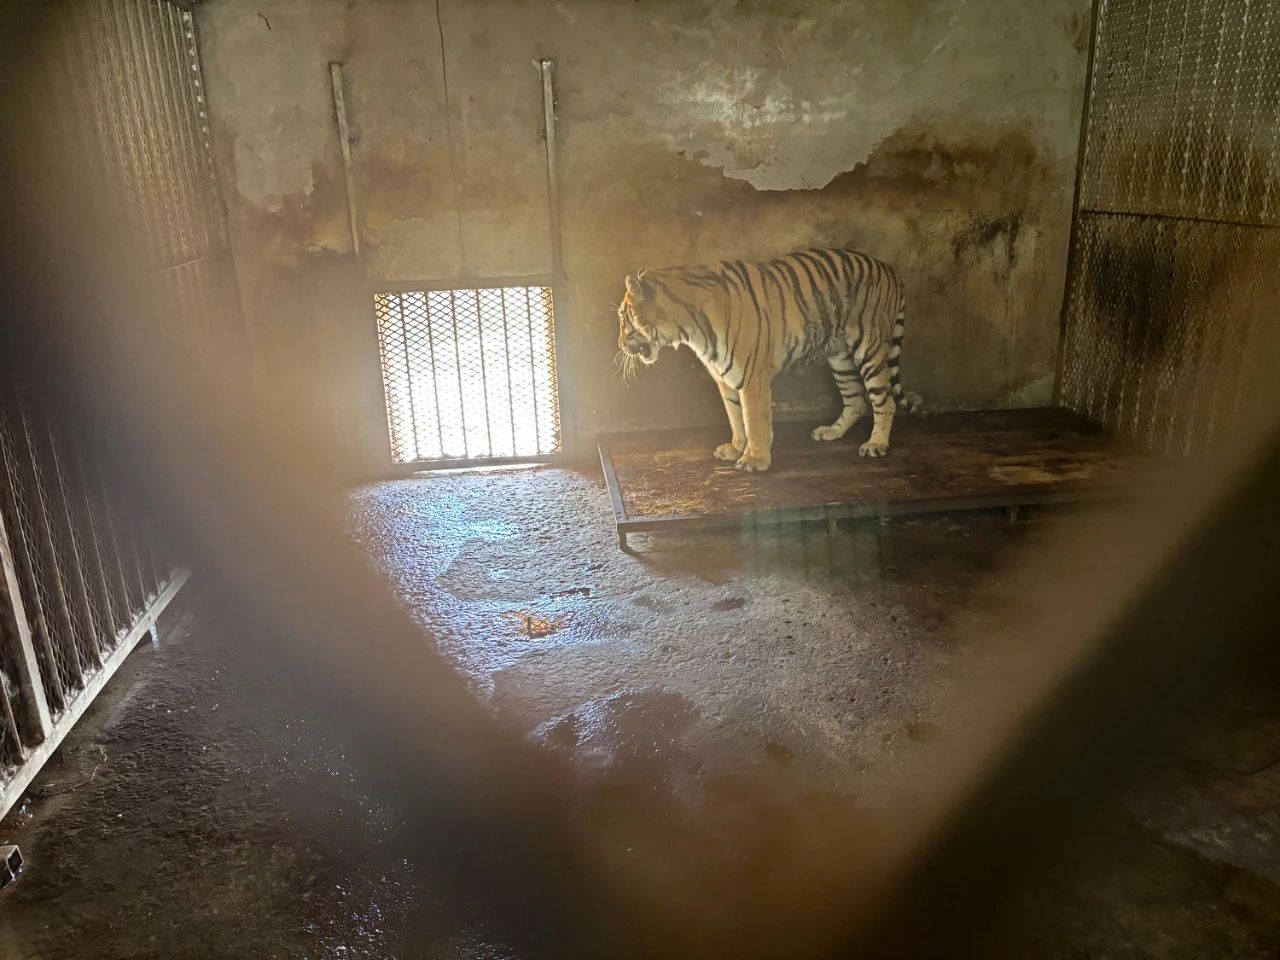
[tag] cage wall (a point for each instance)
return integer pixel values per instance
(84, 573)
(1174, 279)
(688, 131)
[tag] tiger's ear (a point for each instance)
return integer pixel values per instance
(637, 288)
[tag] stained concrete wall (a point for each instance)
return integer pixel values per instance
(939, 135)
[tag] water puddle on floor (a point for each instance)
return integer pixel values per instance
(634, 728)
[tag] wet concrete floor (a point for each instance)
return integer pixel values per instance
(195, 813)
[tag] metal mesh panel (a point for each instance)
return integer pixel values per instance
(124, 101)
(48, 587)
(131, 108)
(1175, 253)
(1184, 116)
(132, 99)
(469, 374)
(36, 584)
(1167, 317)
(81, 583)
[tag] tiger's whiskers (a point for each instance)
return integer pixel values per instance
(626, 364)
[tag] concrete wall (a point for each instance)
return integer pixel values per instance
(939, 135)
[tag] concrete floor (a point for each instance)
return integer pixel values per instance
(194, 814)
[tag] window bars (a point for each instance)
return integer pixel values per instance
(1175, 252)
(469, 374)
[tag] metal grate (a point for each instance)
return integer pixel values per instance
(1172, 287)
(1168, 319)
(127, 91)
(131, 98)
(83, 576)
(1183, 110)
(469, 374)
(84, 566)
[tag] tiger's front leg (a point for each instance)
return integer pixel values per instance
(757, 415)
(733, 410)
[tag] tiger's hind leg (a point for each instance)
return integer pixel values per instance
(849, 383)
(877, 377)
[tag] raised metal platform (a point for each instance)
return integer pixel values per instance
(662, 480)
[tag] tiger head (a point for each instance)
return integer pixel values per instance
(644, 327)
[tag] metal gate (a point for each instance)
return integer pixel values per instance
(84, 577)
(1175, 260)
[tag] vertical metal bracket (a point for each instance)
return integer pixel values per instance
(548, 68)
(344, 142)
(564, 308)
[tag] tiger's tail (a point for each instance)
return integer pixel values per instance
(907, 401)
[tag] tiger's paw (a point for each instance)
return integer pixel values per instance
(753, 463)
(727, 451)
(873, 449)
(827, 433)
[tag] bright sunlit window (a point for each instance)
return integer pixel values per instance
(469, 374)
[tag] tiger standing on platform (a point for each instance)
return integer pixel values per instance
(747, 322)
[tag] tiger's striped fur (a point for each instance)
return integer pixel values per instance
(749, 321)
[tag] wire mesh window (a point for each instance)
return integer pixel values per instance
(469, 374)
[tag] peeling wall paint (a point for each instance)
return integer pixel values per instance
(790, 121)
(939, 135)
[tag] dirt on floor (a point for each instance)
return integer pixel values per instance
(198, 812)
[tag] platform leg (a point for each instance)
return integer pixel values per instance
(831, 526)
(1012, 511)
(622, 542)
(10, 865)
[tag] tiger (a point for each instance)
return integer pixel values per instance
(747, 322)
